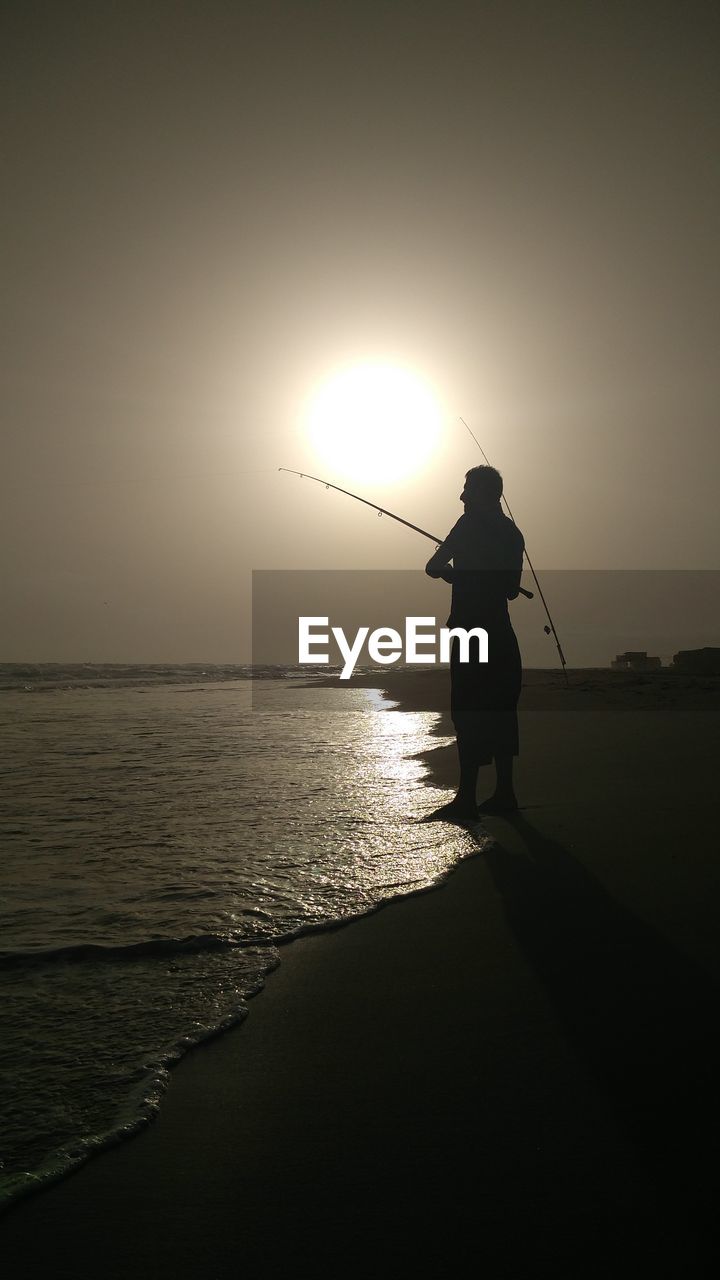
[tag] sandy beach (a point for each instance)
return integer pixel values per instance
(515, 1071)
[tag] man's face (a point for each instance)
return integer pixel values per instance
(473, 495)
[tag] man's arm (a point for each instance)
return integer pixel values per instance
(438, 566)
(515, 574)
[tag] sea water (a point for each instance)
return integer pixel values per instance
(160, 838)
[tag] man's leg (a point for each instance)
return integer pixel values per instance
(504, 798)
(466, 798)
(464, 807)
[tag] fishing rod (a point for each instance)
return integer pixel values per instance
(550, 628)
(382, 511)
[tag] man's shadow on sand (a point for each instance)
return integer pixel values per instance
(641, 1014)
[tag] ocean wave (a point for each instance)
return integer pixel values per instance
(364, 904)
(96, 951)
(53, 676)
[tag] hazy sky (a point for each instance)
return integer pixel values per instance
(210, 206)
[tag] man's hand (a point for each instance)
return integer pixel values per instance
(439, 571)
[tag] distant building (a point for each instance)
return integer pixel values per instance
(701, 662)
(635, 660)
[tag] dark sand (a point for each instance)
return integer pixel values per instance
(515, 1072)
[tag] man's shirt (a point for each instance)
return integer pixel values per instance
(486, 549)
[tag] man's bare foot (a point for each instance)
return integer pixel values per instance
(456, 811)
(500, 802)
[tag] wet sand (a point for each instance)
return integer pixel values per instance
(514, 1072)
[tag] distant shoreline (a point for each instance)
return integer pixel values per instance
(416, 688)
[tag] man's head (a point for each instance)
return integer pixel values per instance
(483, 487)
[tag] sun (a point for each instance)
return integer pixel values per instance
(374, 423)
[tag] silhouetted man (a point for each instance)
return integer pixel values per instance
(486, 550)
